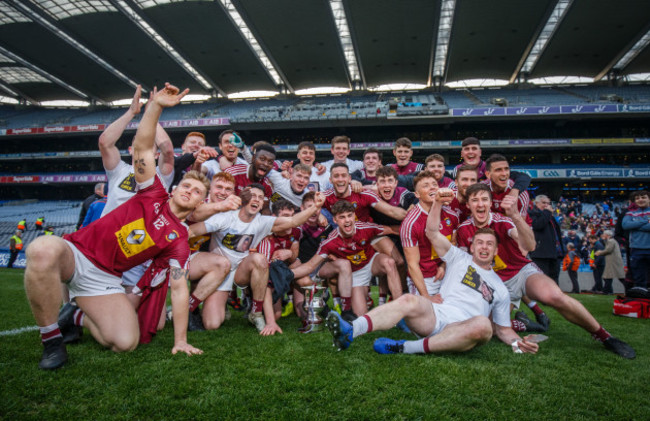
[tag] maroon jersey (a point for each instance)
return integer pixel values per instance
(361, 201)
(461, 209)
(412, 235)
(522, 203)
(446, 183)
(357, 249)
(240, 172)
(270, 244)
(509, 260)
(407, 169)
(140, 229)
(365, 175)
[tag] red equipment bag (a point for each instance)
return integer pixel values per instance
(632, 307)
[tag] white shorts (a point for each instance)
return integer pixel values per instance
(517, 284)
(90, 281)
(361, 278)
(433, 287)
(447, 314)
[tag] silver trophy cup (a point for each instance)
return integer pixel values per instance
(313, 305)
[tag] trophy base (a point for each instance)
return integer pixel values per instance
(311, 327)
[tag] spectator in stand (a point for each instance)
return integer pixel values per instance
(613, 261)
(549, 248)
(99, 193)
(94, 211)
(597, 263)
(572, 237)
(571, 264)
(637, 222)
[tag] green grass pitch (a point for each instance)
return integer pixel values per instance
(242, 375)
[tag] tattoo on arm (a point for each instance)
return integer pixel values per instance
(178, 273)
(139, 165)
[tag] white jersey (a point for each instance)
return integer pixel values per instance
(474, 290)
(351, 163)
(212, 166)
(122, 185)
(282, 187)
(233, 238)
(319, 182)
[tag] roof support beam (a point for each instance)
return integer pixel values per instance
(357, 80)
(629, 53)
(133, 12)
(45, 74)
(50, 25)
(17, 93)
(534, 51)
(445, 25)
(265, 59)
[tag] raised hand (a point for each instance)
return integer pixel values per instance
(136, 105)
(509, 205)
(445, 196)
(169, 96)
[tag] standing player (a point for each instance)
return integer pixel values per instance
(256, 172)
(521, 276)
(471, 291)
(371, 163)
(229, 156)
(403, 151)
(147, 227)
(425, 267)
(340, 151)
(497, 171)
(465, 177)
(436, 164)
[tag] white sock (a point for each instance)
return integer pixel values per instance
(532, 304)
(414, 347)
(359, 326)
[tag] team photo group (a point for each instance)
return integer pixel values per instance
(226, 225)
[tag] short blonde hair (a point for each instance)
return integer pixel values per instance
(195, 175)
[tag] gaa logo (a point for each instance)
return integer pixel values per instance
(136, 237)
(551, 173)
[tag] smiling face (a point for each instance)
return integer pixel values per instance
(471, 154)
(483, 248)
(426, 190)
(188, 194)
(437, 168)
(642, 201)
(345, 221)
(464, 179)
(313, 220)
(299, 181)
(499, 174)
(255, 203)
(371, 162)
(228, 150)
(262, 164)
(479, 205)
(402, 155)
(220, 190)
(386, 187)
(340, 151)
(340, 179)
(307, 156)
(192, 144)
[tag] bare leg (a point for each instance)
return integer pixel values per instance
(111, 320)
(214, 309)
(415, 310)
(253, 271)
(542, 288)
(461, 336)
(209, 270)
(49, 262)
(385, 265)
(359, 305)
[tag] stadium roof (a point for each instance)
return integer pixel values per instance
(98, 50)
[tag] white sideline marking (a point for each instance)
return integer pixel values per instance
(18, 331)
